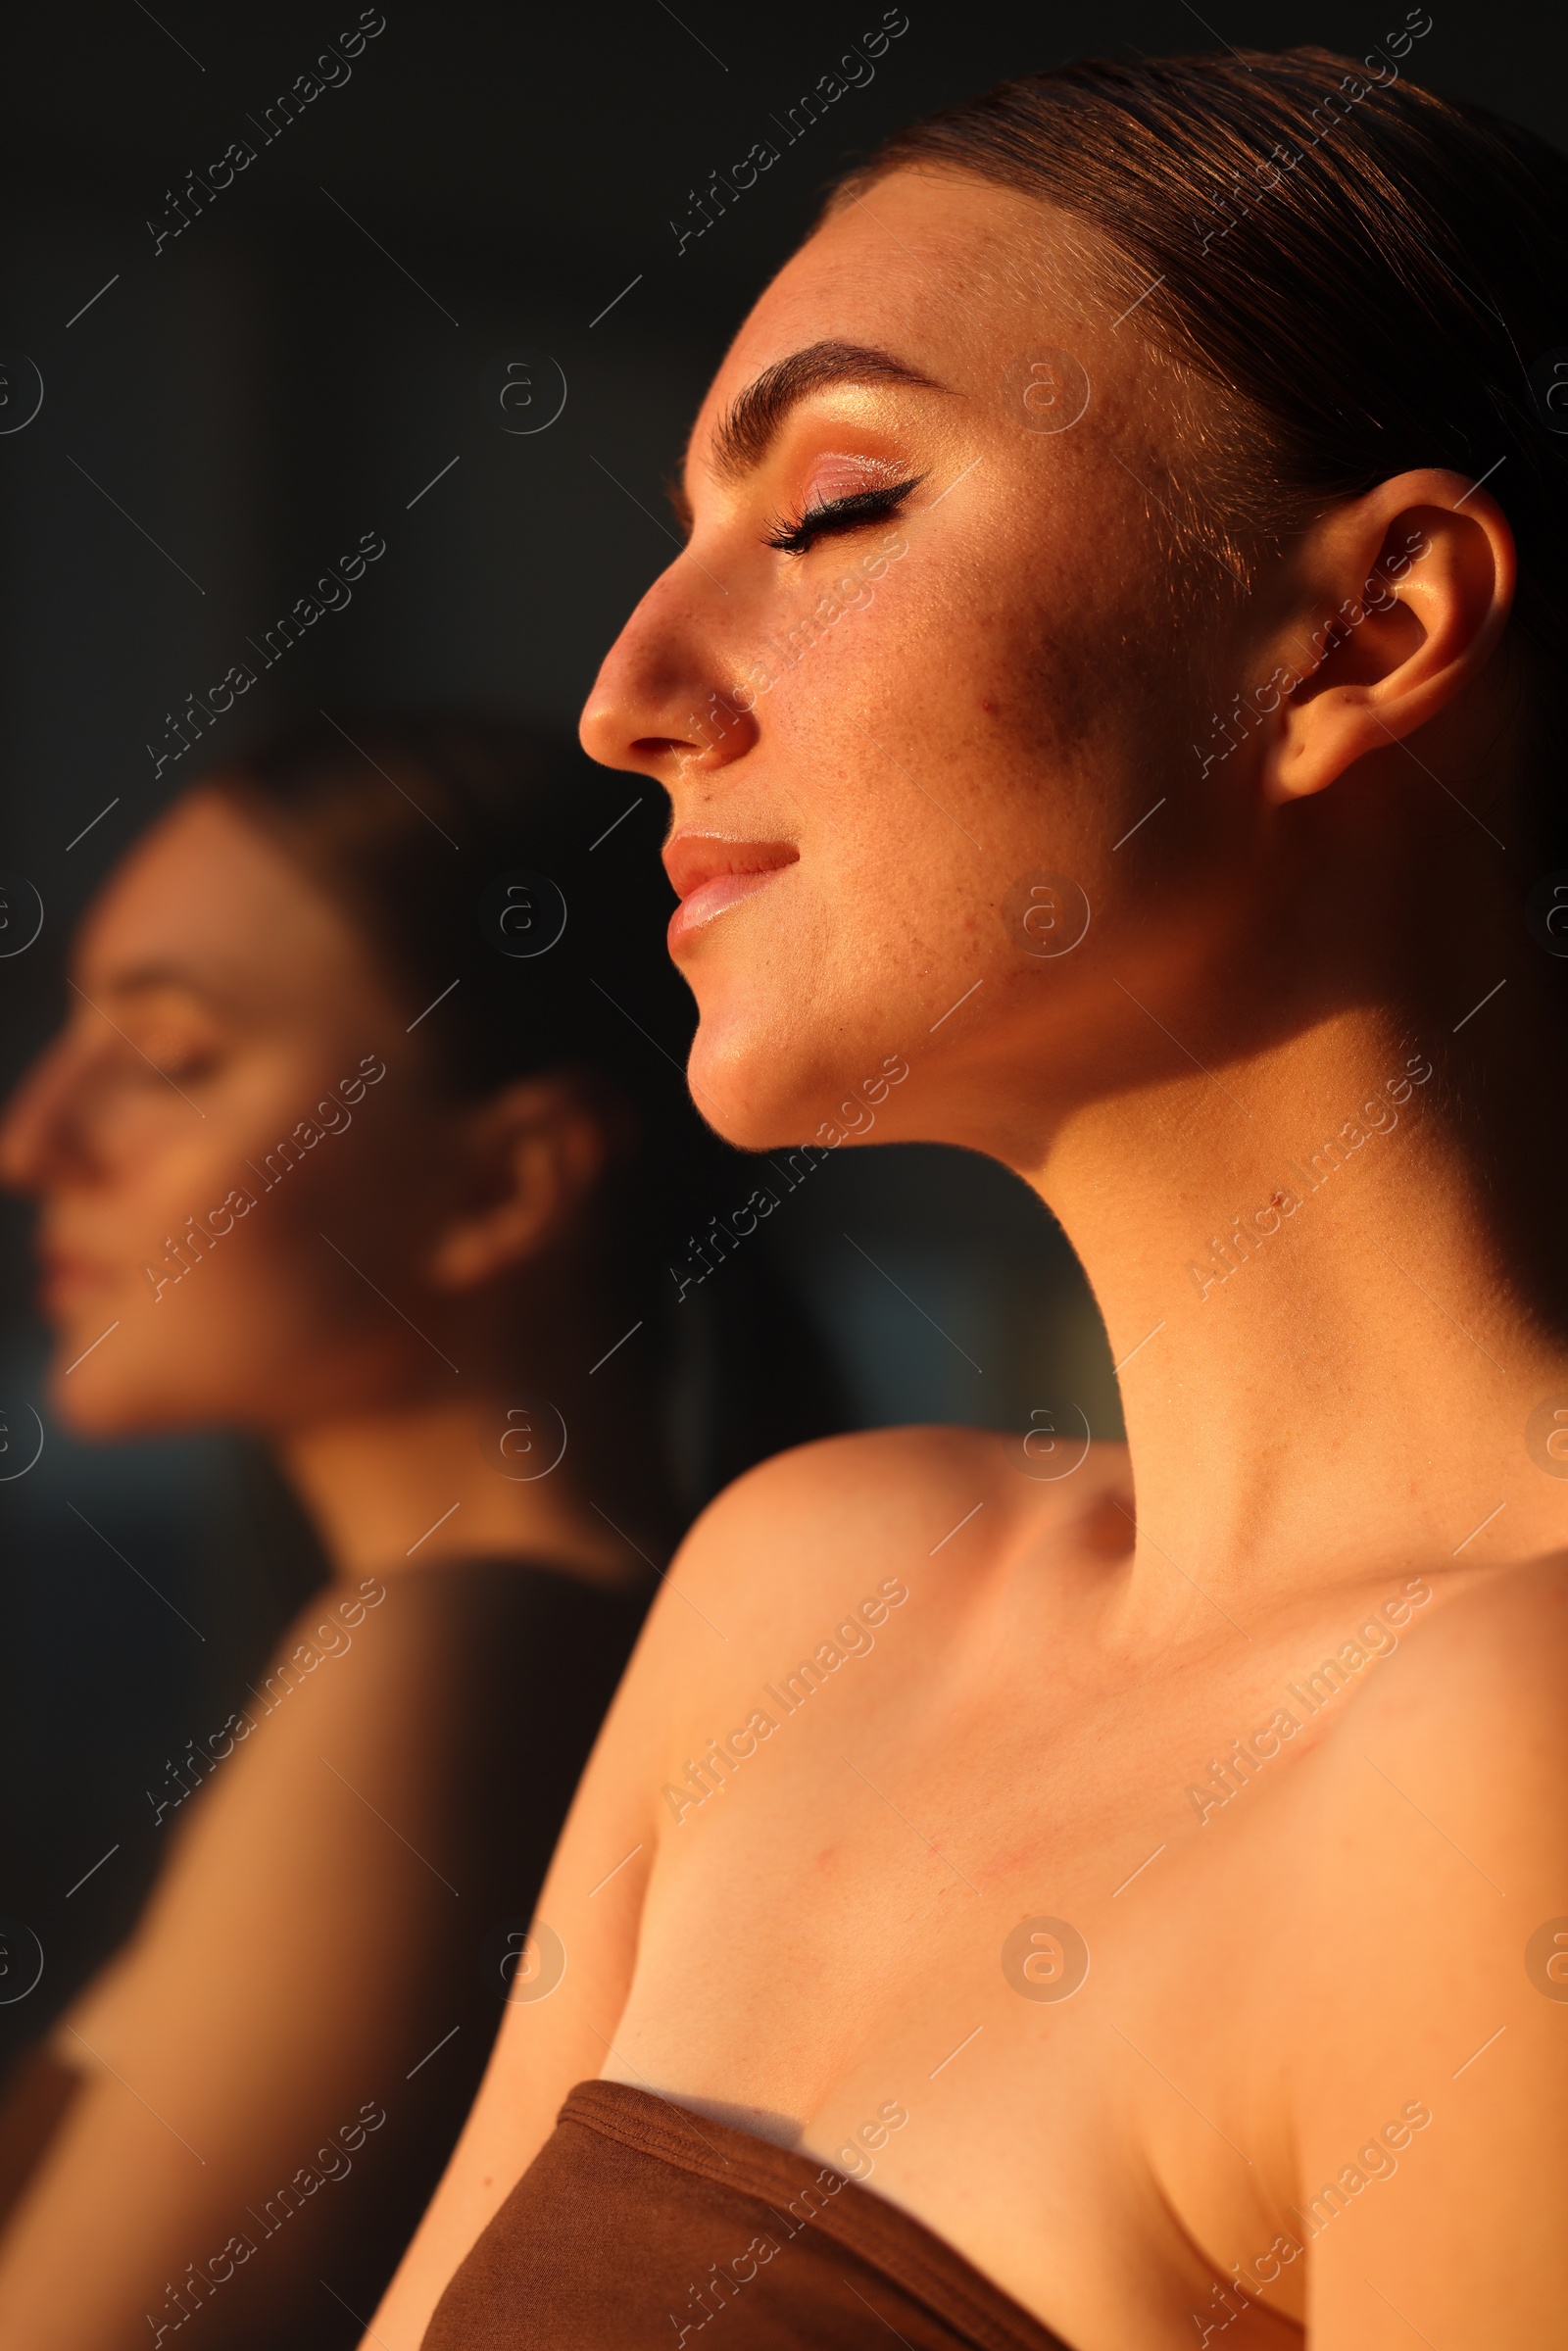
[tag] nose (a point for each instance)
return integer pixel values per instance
(665, 702)
(39, 1136)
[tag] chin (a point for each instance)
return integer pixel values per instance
(752, 1085)
(108, 1416)
(119, 1400)
(764, 1089)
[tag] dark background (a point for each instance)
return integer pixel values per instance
(282, 378)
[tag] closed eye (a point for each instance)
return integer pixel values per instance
(165, 1059)
(835, 515)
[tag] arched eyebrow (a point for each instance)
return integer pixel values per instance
(745, 431)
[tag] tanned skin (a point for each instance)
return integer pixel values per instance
(1320, 1980)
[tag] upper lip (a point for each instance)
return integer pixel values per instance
(692, 859)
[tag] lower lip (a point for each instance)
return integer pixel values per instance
(711, 900)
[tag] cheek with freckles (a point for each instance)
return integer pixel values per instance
(926, 757)
(981, 734)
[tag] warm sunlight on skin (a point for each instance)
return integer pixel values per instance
(1025, 685)
(265, 1206)
(1334, 1430)
(243, 1153)
(1019, 690)
(216, 1002)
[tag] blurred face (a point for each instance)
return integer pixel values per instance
(917, 676)
(233, 1082)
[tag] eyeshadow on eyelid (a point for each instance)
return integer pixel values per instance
(838, 474)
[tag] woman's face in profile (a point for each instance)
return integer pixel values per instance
(207, 1126)
(902, 720)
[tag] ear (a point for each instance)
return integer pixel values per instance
(1404, 595)
(535, 1152)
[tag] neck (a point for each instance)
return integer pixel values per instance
(413, 1485)
(1328, 1346)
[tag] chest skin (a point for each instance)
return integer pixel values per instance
(1027, 1884)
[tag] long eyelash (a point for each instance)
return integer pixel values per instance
(839, 513)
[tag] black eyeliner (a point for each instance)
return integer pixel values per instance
(840, 514)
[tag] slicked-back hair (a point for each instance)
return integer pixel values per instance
(1369, 279)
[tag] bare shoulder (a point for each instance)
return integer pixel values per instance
(262, 1823)
(1478, 1680)
(785, 1561)
(1449, 1768)
(909, 1494)
(1414, 1946)
(1427, 1833)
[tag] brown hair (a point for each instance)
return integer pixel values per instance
(1374, 276)
(407, 821)
(410, 823)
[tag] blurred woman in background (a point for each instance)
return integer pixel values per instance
(358, 1138)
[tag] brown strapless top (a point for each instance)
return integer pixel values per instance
(639, 2225)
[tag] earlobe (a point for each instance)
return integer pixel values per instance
(1407, 594)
